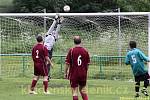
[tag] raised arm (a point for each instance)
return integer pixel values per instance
(57, 31)
(60, 20)
(51, 29)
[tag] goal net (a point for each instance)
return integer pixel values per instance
(106, 37)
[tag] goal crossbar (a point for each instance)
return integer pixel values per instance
(75, 14)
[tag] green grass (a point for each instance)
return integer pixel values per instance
(17, 89)
(16, 66)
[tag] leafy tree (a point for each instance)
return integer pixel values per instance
(80, 5)
(134, 5)
(57, 5)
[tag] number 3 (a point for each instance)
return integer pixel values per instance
(37, 53)
(79, 60)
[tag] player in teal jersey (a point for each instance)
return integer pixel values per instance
(136, 59)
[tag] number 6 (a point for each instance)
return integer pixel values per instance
(79, 60)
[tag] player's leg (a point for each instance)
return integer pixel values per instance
(33, 84)
(49, 73)
(75, 93)
(137, 88)
(146, 83)
(137, 85)
(50, 52)
(45, 83)
(74, 88)
(44, 73)
(144, 90)
(36, 76)
(83, 92)
(82, 89)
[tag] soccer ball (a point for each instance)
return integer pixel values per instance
(66, 8)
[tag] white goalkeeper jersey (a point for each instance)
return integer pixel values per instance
(52, 35)
(49, 41)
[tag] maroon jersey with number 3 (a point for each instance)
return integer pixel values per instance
(78, 59)
(39, 52)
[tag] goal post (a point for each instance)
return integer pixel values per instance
(105, 35)
(149, 42)
(0, 56)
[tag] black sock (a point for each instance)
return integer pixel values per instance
(137, 86)
(146, 83)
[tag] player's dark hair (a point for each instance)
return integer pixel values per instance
(39, 38)
(132, 44)
(77, 40)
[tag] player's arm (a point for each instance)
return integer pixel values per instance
(58, 28)
(32, 52)
(143, 57)
(57, 32)
(66, 71)
(88, 59)
(52, 27)
(68, 62)
(49, 61)
(127, 61)
(33, 58)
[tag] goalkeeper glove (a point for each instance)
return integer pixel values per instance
(60, 20)
(57, 17)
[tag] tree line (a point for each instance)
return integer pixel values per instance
(80, 6)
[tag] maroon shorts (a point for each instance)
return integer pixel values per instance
(40, 69)
(75, 82)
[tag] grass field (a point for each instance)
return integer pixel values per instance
(100, 68)
(115, 85)
(17, 89)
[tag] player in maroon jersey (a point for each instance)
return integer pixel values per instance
(77, 62)
(40, 59)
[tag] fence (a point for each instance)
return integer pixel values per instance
(101, 67)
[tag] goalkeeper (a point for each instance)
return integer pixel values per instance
(52, 37)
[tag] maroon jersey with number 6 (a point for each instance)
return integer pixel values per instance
(78, 59)
(39, 52)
